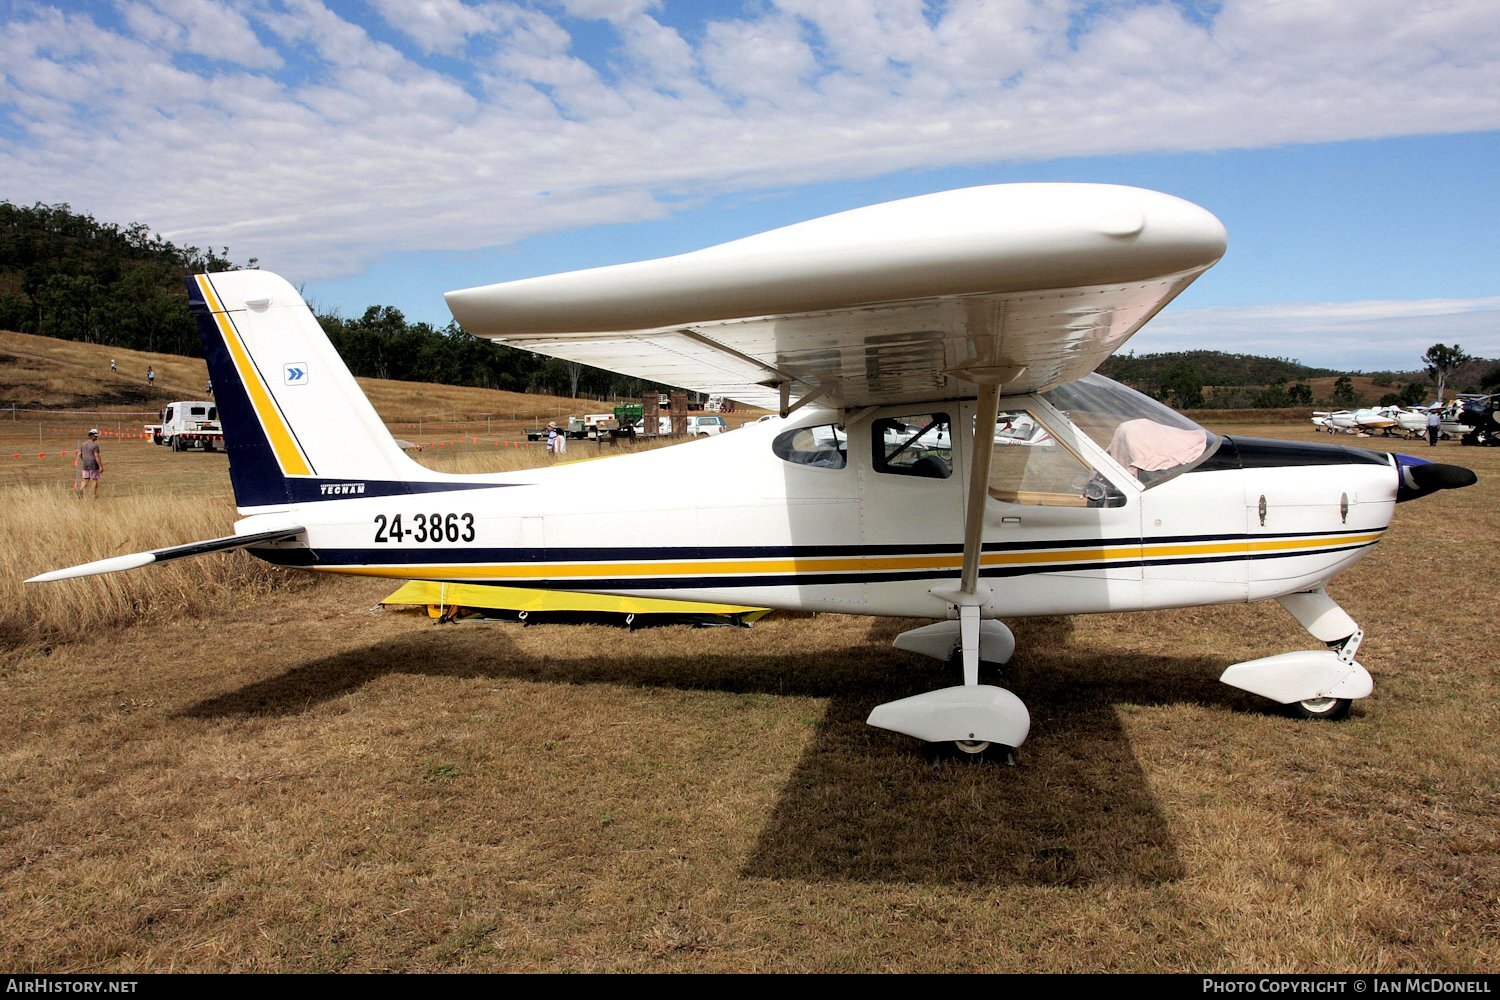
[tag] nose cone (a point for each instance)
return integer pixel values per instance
(1420, 477)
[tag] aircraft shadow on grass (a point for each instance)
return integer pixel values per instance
(861, 804)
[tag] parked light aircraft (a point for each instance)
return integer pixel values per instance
(1362, 421)
(1410, 422)
(909, 348)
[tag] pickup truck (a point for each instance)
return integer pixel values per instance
(704, 426)
(191, 423)
(574, 428)
(697, 426)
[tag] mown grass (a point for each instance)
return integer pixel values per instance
(294, 781)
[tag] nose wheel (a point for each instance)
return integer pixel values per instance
(1323, 708)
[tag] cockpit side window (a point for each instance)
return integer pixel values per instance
(919, 444)
(822, 447)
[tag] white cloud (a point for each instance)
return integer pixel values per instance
(443, 25)
(768, 60)
(202, 27)
(319, 147)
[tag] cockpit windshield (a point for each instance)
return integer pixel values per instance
(1151, 440)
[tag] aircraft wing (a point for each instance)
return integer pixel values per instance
(1023, 285)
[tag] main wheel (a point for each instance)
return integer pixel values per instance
(1327, 709)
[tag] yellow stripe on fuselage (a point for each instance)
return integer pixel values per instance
(288, 455)
(1283, 544)
(1046, 560)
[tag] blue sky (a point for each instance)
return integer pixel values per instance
(387, 151)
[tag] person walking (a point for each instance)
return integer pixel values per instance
(1434, 426)
(91, 464)
(150, 376)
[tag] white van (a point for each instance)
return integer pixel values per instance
(189, 423)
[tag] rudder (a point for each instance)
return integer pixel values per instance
(297, 426)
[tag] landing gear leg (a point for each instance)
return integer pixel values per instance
(974, 721)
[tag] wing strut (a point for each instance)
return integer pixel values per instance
(788, 407)
(970, 594)
(972, 716)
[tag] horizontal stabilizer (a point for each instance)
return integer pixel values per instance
(115, 564)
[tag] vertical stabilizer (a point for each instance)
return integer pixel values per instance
(297, 426)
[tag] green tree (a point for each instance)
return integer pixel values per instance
(69, 276)
(1299, 395)
(1413, 394)
(1343, 392)
(1441, 361)
(1273, 396)
(1182, 386)
(70, 307)
(1491, 380)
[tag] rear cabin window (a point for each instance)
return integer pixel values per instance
(918, 444)
(822, 447)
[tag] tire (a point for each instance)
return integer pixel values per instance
(1326, 709)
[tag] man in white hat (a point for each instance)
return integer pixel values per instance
(91, 465)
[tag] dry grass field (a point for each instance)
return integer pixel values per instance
(232, 767)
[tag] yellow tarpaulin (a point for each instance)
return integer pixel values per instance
(441, 598)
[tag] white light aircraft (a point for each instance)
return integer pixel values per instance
(1361, 421)
(909, 347)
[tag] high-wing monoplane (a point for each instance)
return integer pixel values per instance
(946, 449)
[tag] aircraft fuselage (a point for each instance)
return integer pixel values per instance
(728, 519)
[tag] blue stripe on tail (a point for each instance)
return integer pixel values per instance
(253, 470)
